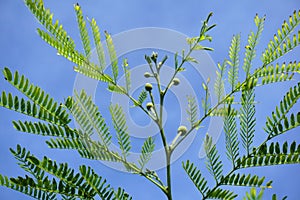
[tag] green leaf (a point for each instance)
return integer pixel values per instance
(88, 117)
(119, 123)
(249, 180)
(196, 177)
(231, 137)
(282, 43)
(213, 162)
(97, 41)
(253, 39)
(142, 97)
(113, 56)
(96, 182)
(247, 119)
(192, 110)
(274, 124)
(43, 107)
(126, 70)
(146, 152)
(83, 30)
(234, 60)
(219, 84)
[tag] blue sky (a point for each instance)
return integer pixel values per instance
(21, 49)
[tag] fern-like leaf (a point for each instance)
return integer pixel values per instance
(196, 177)
(97, 183)
(120, 194)
(43, 129)
(276, 73)
(213, 163)
(282, 43)
(234, 60)
(220, 194)
(273, 154)
(113, 56)
(87, 115)
(97, 41)
(192, 110)
(252, 43)
(43, 107)
(273, 123)
(247, 119)
(219, 84)
(119, 123)
(223, 112)
(126, 70)
(287, 124)
(83, 30)
(253, 194)
(142, 97)
(231, 136)
(70, 183)
(245, 180)
(45, 17)
(146, 152)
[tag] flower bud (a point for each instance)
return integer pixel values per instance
(176, 81)
(182, 130)
(148, 87)
(154, 57)
(149, 105)
(147, 75)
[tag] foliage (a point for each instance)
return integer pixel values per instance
(48, 179)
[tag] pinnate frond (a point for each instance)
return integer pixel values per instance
(87, 115)
(253, 40)
(119, 123)
(192, 110)
(196, 177)
(223, 112)
(219, 84)
(83, 30)
(247, 119)
(146, 152)
(221, 194)
(231, 136)
(45, 17)
(273, 123)
(142, 97)
(40, 106)
(249, 180)
(96, 182)
(40, 128)
(97, 41)
(273, 154)
(126, 70)
(65, 51)
(276, 73)
(120, 194)
(253, 194)
(113, 56)
(213, 162)
(282, 43)
(234, 60)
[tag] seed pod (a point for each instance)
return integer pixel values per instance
(176, 81)
(147, 75)
(148, 87)
(149, 105)
(182, 130)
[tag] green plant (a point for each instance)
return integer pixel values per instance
(47, 178)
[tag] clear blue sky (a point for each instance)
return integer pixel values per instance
(22, 49)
